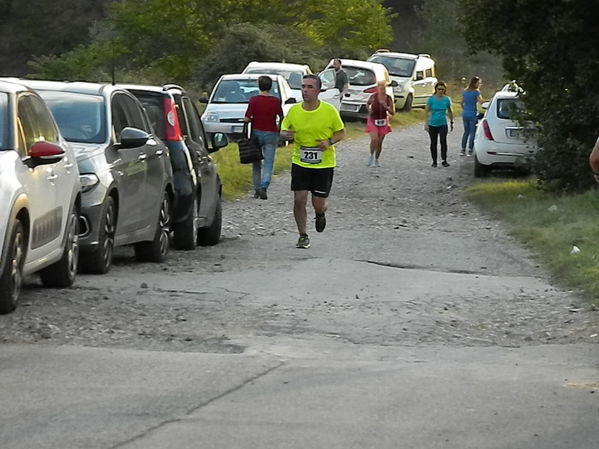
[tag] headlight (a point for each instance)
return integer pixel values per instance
(88, 182)
(211, 117)
(398, 89)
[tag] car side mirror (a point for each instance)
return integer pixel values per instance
(485, 105)
(291, 100)
(394, 83)
(42, 153)
(132, 138)
(219, 140)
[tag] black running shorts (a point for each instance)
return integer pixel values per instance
(316, 180)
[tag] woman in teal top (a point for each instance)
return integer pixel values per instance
(438, 107)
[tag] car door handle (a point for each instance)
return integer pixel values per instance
(53, 177)
(142, 157)
(159, 152)
(68, 165)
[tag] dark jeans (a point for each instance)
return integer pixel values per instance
(433, 132)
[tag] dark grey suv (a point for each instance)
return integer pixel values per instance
(197, 217)
(126, 176)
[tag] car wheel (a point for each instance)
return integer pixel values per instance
(211, 235)
(408, 106)
(480, 170)
(11, 277)
(63, 272)
(99, 260)
(186, 232)
(156, 249)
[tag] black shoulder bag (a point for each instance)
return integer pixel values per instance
(249, 150)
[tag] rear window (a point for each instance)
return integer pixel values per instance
(510, 108)
(4, 144)
(80, 117)
(240, 91)
(396, 66)
(153, 103)
(360, 77)
(294, 78)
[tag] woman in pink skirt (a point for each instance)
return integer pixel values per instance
(380, 109)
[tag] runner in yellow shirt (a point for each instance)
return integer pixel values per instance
(315, 127)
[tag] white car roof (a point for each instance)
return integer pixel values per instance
(278, 65)
(374, 66)
(249, 76)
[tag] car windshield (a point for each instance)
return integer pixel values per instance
(240, 91)
(510, 108)
(80, 117)
(293, 77)
(360, 77)
(4, 121)
(396, 66)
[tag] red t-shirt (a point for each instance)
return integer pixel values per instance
(263, 110)
(378, 109)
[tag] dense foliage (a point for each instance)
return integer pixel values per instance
(551, 47)
(173, 40)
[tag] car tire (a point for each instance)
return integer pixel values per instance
(186, 232)
(156, 249)
(480, 170)
(63, 272)
(408, 106)
(11, 277)
(99, 260)
(209, 236)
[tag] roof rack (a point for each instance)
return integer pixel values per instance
(424, 55)
(383, 50)
(172, 86)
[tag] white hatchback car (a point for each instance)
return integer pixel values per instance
(294, 73)
(229, 99)
(39, 193)
(363, 77)
(500, 140)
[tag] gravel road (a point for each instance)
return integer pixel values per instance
(405, 260)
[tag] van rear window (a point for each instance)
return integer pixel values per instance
(360, 77)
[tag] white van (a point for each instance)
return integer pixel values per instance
(415, 76)
(363, 77)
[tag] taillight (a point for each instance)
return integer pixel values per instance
(171, 121)
(487, 131)
(370, 90)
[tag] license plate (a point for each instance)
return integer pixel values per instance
(349, 107)
(514, 133)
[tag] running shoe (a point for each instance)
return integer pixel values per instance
(370, 161)
(321, 222)
(444, 164)
(434, 165)
(463, 152)
(262, 194)
(303, 241)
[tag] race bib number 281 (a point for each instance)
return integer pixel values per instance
(311, 155)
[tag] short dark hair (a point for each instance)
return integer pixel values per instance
(336, 60)
(311, 76)
(264, 83)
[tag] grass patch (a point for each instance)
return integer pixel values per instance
(550, 225)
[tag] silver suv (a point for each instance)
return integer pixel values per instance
(415, 76)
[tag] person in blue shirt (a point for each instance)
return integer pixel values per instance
(438, 107)
(470, 99)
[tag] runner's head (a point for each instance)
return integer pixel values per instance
(264, 83)
(310, 87)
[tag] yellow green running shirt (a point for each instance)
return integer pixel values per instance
(310, 128)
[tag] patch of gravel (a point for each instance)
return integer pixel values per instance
(405, 195)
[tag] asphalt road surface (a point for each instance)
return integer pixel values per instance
(414, 321)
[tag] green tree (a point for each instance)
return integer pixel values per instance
(550, 48)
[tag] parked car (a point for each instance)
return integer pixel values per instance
(40, 196)
(126, 175)
(414, 74)
(197, 212)
(501, 141)
(363, 77)
(294, 73)
(229, 99)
